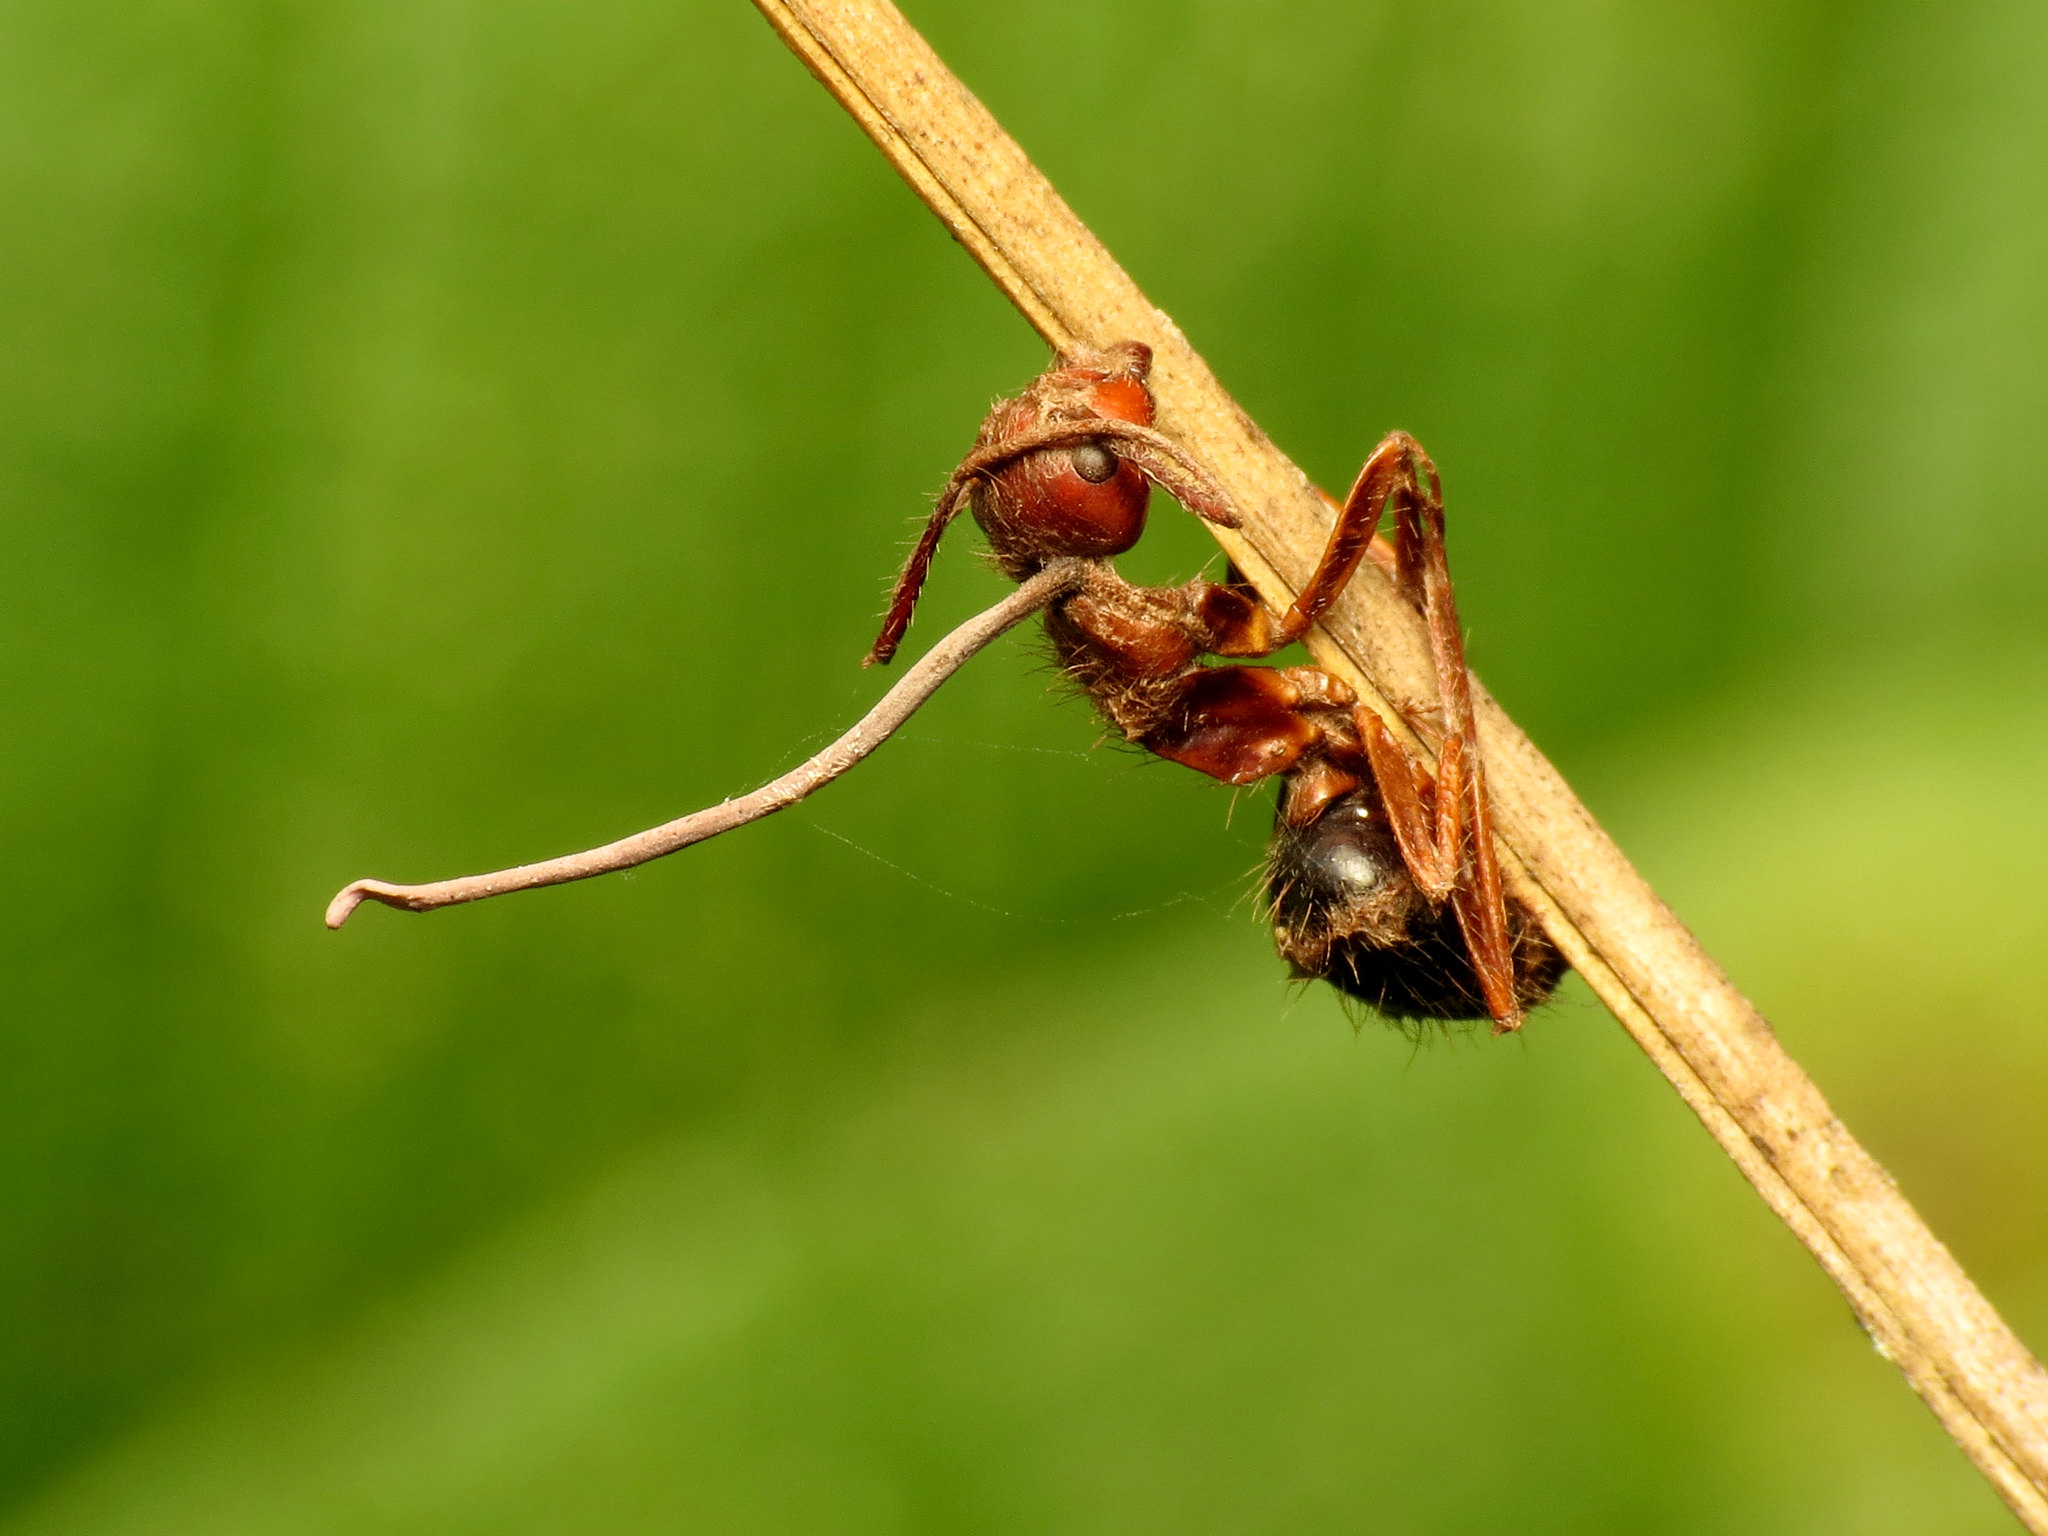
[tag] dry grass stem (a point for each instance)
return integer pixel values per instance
(1715, 1048)
(875, 727)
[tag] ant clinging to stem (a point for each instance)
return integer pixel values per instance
(1383, 877)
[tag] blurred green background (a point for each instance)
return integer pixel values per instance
(436, 434)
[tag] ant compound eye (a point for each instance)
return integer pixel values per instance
(1093, 462)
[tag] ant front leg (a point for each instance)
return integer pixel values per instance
(1351, 537)
(1240, 625)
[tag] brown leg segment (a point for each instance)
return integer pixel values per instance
(1463, 821)
(1239, 622)
(1233, 620)
(1238, 724)
(1312, 788)
(1481, 906)
(1424, 816)
(1358, 519)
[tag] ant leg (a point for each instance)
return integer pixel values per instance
(1243, 724)
(1134, 648)
(1447, 847)
(1351, 538)
(1433, 843)
(1230, 618)
(1463, 818)
(1481, 905)
(1377, 549)
(1422, 812)
(1240, 625)
(1312, 788)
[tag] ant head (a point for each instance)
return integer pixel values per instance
(1042, 484)
(1063, 471)
(1068, 488)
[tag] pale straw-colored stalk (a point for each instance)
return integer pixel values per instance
(1706, 1038)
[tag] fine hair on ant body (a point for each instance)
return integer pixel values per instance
(1383, 878)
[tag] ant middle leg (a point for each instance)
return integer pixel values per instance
(1136, 650)
(1243, 724)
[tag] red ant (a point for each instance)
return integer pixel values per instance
(1383, 878)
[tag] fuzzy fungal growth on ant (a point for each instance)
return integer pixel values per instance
(1383, 878)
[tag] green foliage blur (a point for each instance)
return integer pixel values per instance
(437, 434)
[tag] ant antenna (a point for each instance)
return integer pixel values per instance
(1163, 461)
(903, 600)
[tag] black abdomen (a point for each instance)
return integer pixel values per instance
(1345, 909)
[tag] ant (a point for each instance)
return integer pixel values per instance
(1383, 878)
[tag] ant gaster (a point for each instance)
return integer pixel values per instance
(1383, 877)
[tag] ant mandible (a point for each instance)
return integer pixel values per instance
(1383, 877)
